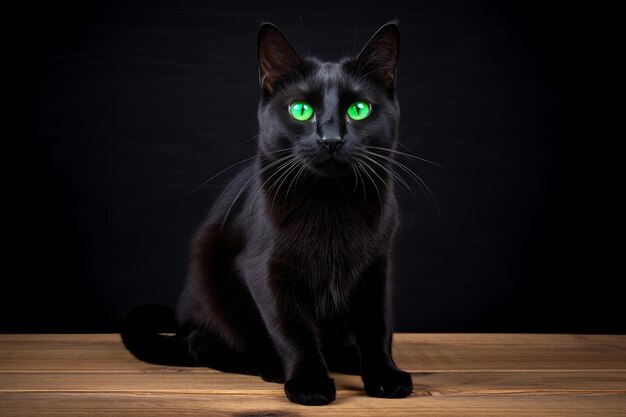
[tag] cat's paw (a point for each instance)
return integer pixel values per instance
(388, 383)
(310, 391)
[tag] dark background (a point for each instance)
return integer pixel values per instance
(119, 110)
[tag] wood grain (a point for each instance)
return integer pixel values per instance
(148, 404)
(454, 375)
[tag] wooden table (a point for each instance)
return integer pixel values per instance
(454, 375)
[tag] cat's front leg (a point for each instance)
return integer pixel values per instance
(295, 336)
(307, 376)
(371, 322)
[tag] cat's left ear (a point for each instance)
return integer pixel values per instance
(379, 58)
(277, 58)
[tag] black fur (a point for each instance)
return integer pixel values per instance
(290, 273)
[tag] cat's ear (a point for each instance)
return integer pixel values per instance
(379, 58)
(277, 58)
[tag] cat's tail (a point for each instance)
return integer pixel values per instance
(142, 334)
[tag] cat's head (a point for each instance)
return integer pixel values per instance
(327, 115)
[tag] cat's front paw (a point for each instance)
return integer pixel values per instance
(310, 391)
(388, 383)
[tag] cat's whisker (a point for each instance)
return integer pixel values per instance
(376, 173)
(262, 187)
(364, 166)
(402, 182)
(358, 171)
(249, 139)
(397, 177)
(279, 173)
(356, 178)
(406, 154)
(390, 171)
(428, 193)
(340, 183)
(236, 164)
(288, 171)
(306, 37)
(296, 178)
(261, 171)
(394, 175)
(413, 176)
(225, 189)
(222, 171)
(406, 147)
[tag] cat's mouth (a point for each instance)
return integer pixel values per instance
(330, 165)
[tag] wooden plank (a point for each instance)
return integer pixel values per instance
(157, 404)
(444, 383)
(58, 352)
(414, 352)
(498, 352)
(522, 383)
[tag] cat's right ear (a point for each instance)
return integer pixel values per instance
(379, 58)
(277, 58)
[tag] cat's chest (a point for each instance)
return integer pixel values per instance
(334, 243)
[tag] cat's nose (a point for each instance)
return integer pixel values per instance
(332, 143)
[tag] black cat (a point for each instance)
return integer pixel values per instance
(290, 273)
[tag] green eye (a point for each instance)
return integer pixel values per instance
(301, 111)
(359, 110)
